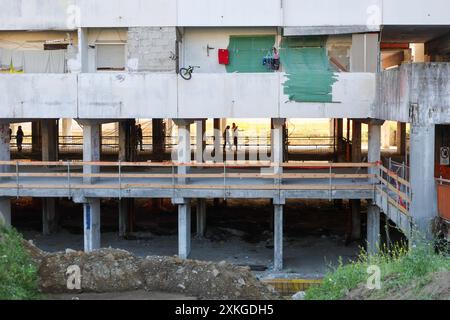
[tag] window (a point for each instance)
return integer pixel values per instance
(110, 56)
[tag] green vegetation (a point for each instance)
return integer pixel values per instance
(18, 274)
(400, 269)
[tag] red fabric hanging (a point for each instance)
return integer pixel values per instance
(224, 56)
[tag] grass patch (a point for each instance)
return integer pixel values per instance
(399, 268)
(18, 274)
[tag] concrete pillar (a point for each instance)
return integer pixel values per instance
(423, 187)
(91, 219)
(356, 157)
(67, 128)
(184, 230)
(49, 217)
(278, 237)
(158, 139)
(373, 229)
(340, 140)
(200, 143)
(184, 146)
(83, 51)
(49, 133)
(218, 155)
(5, 155)
(201, 217)
(125, 206)
(91, 149)
(374, 150)
(5, 212)
(401, 138)
(36, 142)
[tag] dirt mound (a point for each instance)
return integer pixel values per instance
(111, 270)
(436, 287)
(203, 279)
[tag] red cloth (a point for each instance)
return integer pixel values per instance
(224, 56)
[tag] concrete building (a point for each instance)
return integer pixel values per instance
(99, 62)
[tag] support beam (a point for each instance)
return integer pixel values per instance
(5, 155)
(423, 186)
(91, 225)
(49, 216)
(91, 148)
(5, 212)
(401, 138)
(184, 230)
(201, 218)
(356, 157)
(373, 229)
(218, 155)
(278, 237)
(49, 134)
(36, 142)
(200, 143)
(340, 140)
(158, 139)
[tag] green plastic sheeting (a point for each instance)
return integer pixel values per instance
(247, 53)
(308, 70)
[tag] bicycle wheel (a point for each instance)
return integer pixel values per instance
(185, 74)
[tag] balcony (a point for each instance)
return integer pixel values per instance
(165, 95)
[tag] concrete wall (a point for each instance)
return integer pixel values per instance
(165, 95)
(196, 41)
(38, 96)
(151, 49)
(70, 14)
(420, 88)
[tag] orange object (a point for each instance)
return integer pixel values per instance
(443, 192)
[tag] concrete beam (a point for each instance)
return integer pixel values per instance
(91, 225)
(201, 217)
(373, 229)
(91, 148)
(278, 238)
(49, 216)
(423, 207)
(401, 138)
(49, 136)
(184, 230)
(5, 212)
(200, 143)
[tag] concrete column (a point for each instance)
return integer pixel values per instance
(373, 229)
(184, 230)
(200, 143)
(401, 138)
(49, 217)
(158, 139)
(356, 157)
(5, 155)
(83, 54)
(277, 141)
(201, 217)
(184, 146)
(340, 140)
(91, 215)
(278, 237)
(91, 149)
(66, 127)
(423, 187)
(49, 132)
(5, 212)
(124, 209)
(218, 155)
(374, 152)
(36, 142)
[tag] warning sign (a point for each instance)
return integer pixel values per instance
(445, 161)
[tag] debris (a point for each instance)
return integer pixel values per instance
(299, 296)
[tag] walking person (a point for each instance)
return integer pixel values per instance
(226, 138)
(235, 130)
(19, 138)
(139, 137)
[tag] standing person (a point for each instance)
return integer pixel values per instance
(19, 138)
(140, 137)
(10, 134)
(226, 138)
(235, 135)
(276, 60)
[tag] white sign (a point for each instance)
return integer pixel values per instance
(445, 160)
